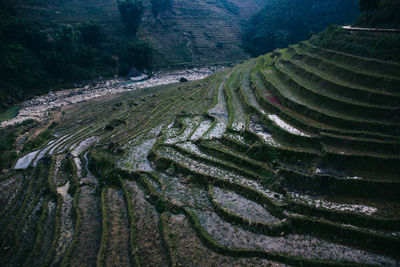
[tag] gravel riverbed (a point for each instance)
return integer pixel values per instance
(39, 108)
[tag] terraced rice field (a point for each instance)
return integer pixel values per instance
(288, 159)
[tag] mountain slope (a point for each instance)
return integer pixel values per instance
(186, 32)
(291, 158)
(283, 22)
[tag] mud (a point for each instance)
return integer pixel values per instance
(117, 251)
(85, 253)
(66, 224)
(26, 160)
(191, 252)
(295, 245)
(242, 206)
(148, 236)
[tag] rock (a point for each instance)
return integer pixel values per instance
(134, 73)
(38, 108)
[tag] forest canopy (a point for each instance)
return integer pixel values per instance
(284, 22)
(34, 61)
(380, 14)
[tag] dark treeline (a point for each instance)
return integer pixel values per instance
(34, 61)
(375, 13)
(284, 22)
(131, 13)
(380, 13)
(159, 6)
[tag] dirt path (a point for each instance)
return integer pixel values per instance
(377, 30)
(55, 117)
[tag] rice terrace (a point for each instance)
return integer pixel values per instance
(290, 158)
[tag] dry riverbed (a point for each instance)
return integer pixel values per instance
(40, 107)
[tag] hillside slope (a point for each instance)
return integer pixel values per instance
(187, 32)
(281, 23)
(291, 158)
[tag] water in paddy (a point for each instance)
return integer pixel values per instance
(9, 113)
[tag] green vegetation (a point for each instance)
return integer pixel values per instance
(381, 47)
(281, 23)
(131, 14)
(288, 158)
(8, 137)
(159, 6)
(230, 6)
(38, 141)
(9, 113)
(101, 164)
(33, 61)
(91, 34)
(6, 147)
(368, 6)
(380, 14)
(136, 53)
(169, 26)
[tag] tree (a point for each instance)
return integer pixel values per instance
(91, 33)
(284, 22)
(387, 15)
(158, 6)
(138, 54)
(367, 6)
(131, 12)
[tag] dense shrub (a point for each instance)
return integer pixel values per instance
(159, 6)
(37, 142)
(33, 61)
(91, 34)
(6, 145)
(101, 163)
(135, 53)
(8, 137)
(7, 141)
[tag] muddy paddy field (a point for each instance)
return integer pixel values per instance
(239, 168)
